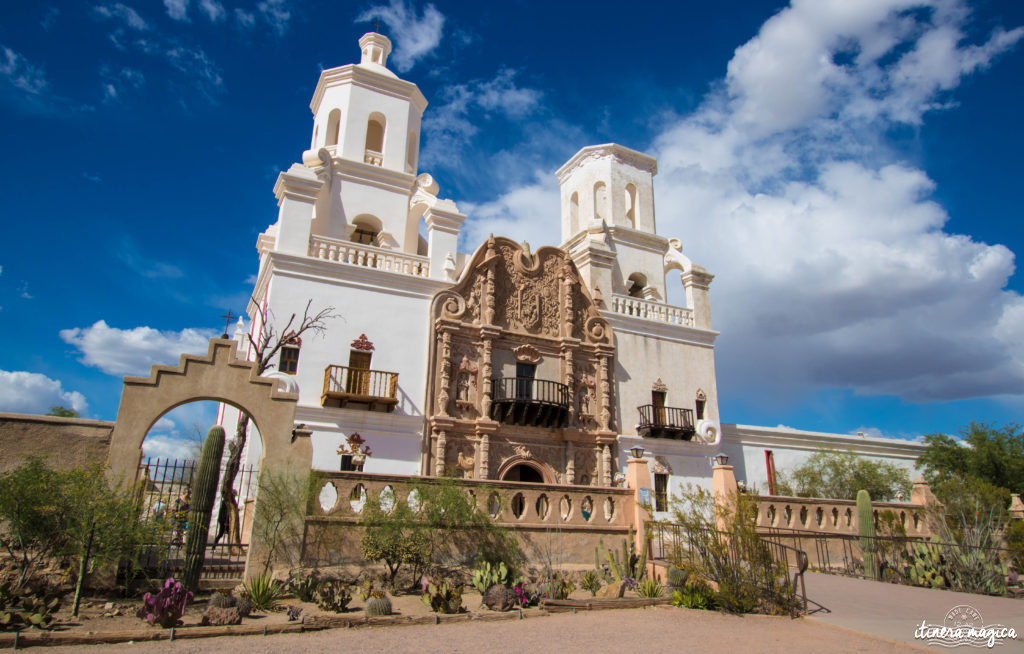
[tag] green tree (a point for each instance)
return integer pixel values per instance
(839, 475)
(983, 452)
(63, 412)
(30, 515)
(101, 525)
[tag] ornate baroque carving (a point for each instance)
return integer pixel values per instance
(527, 353)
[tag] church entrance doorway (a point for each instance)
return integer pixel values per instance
(523, 472)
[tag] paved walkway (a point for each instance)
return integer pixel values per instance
(895, 612)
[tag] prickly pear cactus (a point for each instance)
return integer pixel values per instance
(923, 566)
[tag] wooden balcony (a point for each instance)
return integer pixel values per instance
(371, 389)
(665, 422)
(528, 401)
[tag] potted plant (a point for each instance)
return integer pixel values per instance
(356, 447)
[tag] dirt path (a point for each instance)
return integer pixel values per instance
(663, 629)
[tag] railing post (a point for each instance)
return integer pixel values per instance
(724, 491)
(638, 478)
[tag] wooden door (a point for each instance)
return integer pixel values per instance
(658, 400)
(358, 382)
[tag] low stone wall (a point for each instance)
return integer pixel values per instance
(833, 516)
(65, 442)
(553, 524)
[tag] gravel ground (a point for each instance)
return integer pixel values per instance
(661, 629)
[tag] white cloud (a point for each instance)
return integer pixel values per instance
(115, 82)
(30, 392)
(20, 73)
(132, 351)
(124, 14)
(246, 19)
(413, 37)
(276, 13)
(213, 10)
(832, 267)
(177, 9)
(450, 127)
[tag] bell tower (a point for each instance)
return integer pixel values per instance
(608, 221)
(364, 148)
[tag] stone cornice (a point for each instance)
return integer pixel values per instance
(361, 76)
(811, 440)
(332, 419)
(297, 183)
(443, 221)
(364, 173)
(668, 446)
(343, 274)
(629, 236)
(660, 330)
(638, 160)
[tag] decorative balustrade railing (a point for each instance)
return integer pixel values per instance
(529, 401)
(665, 422)
(833, 516)
(343, 384)
(640, 308)
(342, 496)
(373, 158)
(368, 256)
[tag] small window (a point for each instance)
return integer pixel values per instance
(333, 127)
(660, 492)
(700, 409)
(289, 360)
(346, 463)
(375, 133)
(636, 284)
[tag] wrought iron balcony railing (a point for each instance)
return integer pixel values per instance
(529, 401)
(344, 385)
(665, 422)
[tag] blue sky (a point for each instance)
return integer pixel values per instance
(849, 171)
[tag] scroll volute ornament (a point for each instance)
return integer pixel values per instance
(527, 354)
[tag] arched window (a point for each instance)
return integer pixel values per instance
(631, 204)
(600, 201)
(367, 229)
(375, 139)
(574, 213)
(636, 284)
(410, 153)
(333, 127)
(316, 133)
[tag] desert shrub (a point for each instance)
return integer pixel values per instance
(839, 475)
(737, 559)
(263, 591)
(303, 586)
(1014, 536)
(695, 595)
(443, 597)
(650, 588)
(591, 582)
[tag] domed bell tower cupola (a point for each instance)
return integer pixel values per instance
(365, 150)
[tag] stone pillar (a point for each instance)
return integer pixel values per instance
(570, 462)
(443, 223)
(606, 465)
(696, 281)
(296, 191)
(483, 457)
(446, 363)
(439, 453)
(488, 333)
(638, 477)
(605, 385)
(921, 494)
(724, 490)
(1016, 507)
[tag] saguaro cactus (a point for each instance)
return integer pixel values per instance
(203, 490)
(866, 529)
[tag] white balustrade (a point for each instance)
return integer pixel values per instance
(658, 311)
(357, 254)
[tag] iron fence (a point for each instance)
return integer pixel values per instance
(764, 561)
(165, 492)
(896, 559)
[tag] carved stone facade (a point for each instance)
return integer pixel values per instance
(515, 308)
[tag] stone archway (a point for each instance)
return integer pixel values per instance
(517, 463)
(219, 376)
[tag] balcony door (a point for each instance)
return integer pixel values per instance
(525, 373)
(358, 380)
(658, 400)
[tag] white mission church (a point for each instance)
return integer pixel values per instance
(506, 362)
